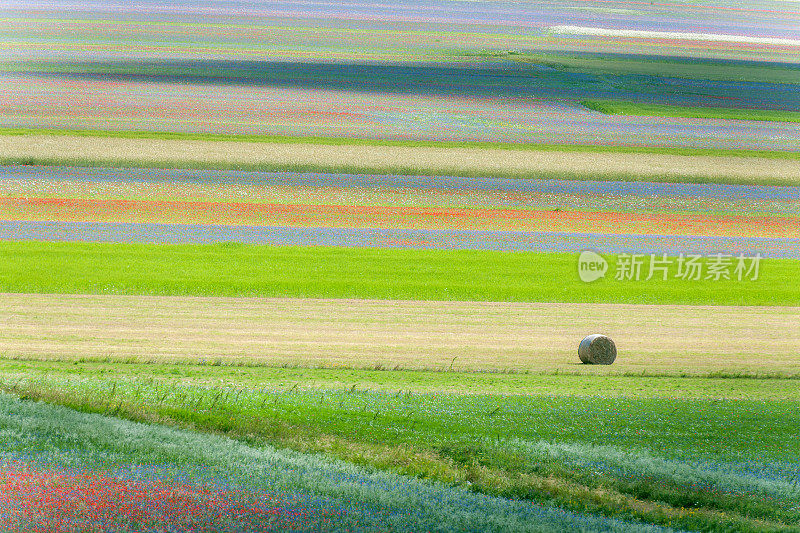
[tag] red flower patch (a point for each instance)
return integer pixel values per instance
(54, 501)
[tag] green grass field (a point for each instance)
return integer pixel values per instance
(565, 442)
(330, 272)
(615, 107)
(638, 385)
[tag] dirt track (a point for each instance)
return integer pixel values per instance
(423, 159)
(364, 333)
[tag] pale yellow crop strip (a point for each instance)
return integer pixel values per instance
(422, 159)
(465, 336)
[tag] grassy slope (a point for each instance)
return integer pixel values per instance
(616, 107)
(512, 446)
(356, 141)
(329, 272)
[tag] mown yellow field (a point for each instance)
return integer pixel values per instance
(535, 337)
(422, 159)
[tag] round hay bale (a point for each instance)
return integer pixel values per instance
(597, 349)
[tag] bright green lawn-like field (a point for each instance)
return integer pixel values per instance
(331, 272)
(616, 107)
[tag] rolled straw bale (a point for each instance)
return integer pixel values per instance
(597, 349)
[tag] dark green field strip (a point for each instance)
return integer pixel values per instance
(615, 107)
(329, 272)
(357, 141)
(582, 62)
(668, 462)
(663, 66)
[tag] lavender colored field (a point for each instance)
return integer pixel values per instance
(99, 205)
(397, 238)
(341, 70)
(409, 30)
(46, 185)
(11, 176)
(64, 204)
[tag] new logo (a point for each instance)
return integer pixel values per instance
(591, 266)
